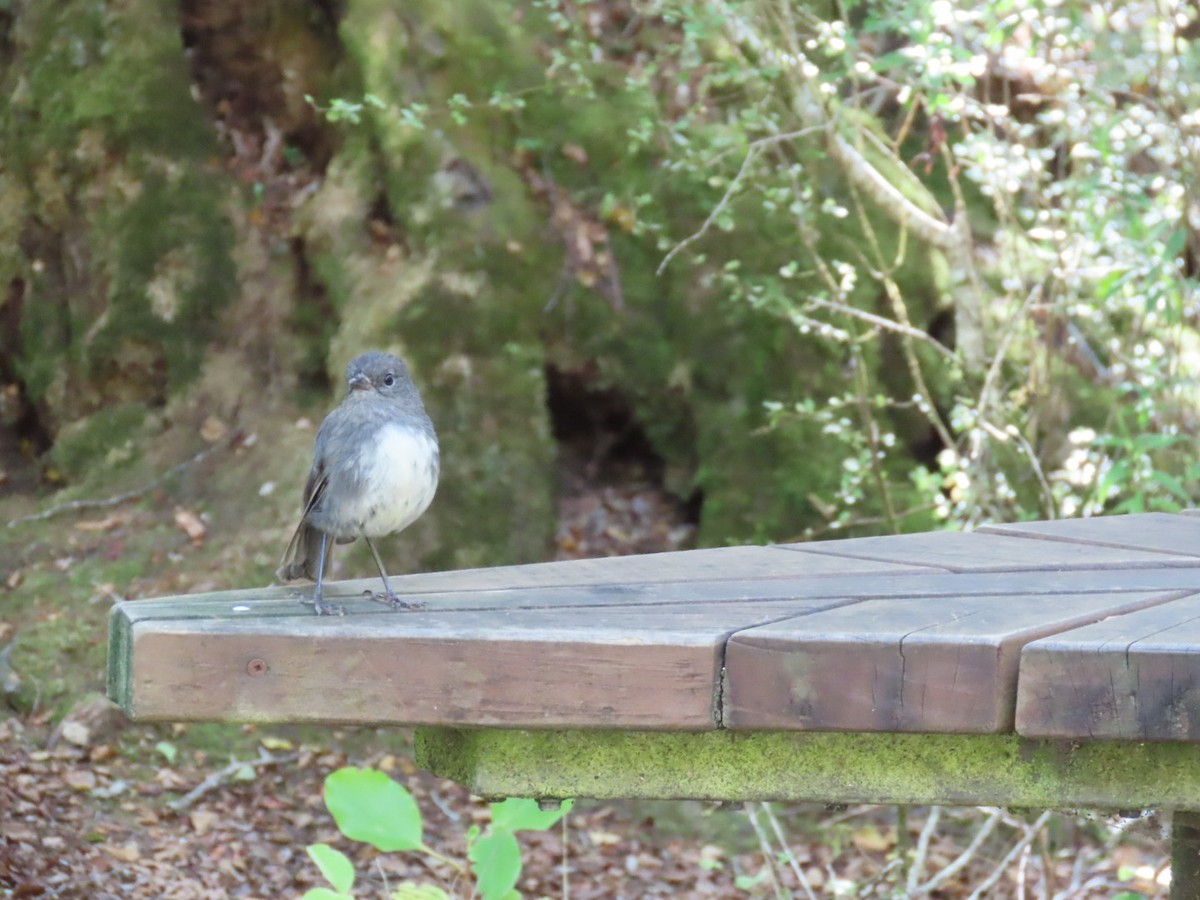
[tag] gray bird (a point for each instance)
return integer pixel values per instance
(374, 471)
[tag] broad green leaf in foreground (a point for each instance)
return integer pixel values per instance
(370, 807)
(496, 861)
(523, 814)
(337, 869)
(323, 893)
(419, 892)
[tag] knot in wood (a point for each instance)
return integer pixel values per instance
(257, 667)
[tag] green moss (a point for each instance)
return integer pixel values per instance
(1003, 770)
(697, 363)
(125, 242)
(102, 439)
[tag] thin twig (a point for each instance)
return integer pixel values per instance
(888, 324)
(782, 138)
(791, 857)
(1002, 436)
(751, 154)
(118, 499)
(216, 778)
(566, 881)
(753, 149)
(917, 867)
(882, 274)
(1031, 832)
(963, 858)
(863, 403)
(764, 842)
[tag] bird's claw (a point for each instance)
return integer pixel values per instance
(393, 601)
(321, 608)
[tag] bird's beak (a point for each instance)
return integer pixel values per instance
(359, 382)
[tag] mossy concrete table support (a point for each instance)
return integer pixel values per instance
(906, 769)
(1047, 664)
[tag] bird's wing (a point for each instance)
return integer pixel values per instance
(295, 563)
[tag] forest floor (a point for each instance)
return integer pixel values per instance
(94, 806)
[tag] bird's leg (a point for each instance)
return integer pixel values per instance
(321, 607)
(387, 596)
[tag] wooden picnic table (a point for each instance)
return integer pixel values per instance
(1043, 664)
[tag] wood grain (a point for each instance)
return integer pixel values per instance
(961, 551)
(1161, 532)
(1135, 677)
(911, 665)
(648, 668)
(910, 633)
(280, 601)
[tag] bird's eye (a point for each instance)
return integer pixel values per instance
(389, 379)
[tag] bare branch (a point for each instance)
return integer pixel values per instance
(221, 775)
(963, 858)
(916, 868)
(1031, 832)
(118, 499)
(887, 324)
(791, 857)
(751, 154)
(764, 843)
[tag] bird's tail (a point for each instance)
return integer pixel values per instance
(302, 554)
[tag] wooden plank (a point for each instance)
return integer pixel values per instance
(948, 665)
(1160, 532)
(961, 551)
(1136, 677)
(717, 564)
(996, 770)
(648, 667)
(279, 601)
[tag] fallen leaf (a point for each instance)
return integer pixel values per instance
(189, 523)
(203, 820)
(871, 840)
(76, 733)
(108, 523)
(80, 779)
(128, 852)
(213, 429)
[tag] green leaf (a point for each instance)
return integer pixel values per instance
(496, 862)
(1170, 483)
(168, 750)
(746, 882)
(419, 892)
(323, 893)
(523, 814)
(1153, 441)
(370, 807)
(334, 865)
(245, 772)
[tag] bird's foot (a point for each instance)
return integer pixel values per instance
(321, 608)
(393, 601)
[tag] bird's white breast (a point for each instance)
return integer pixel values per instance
(398, 471)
